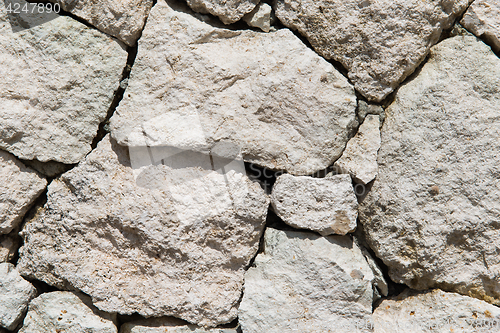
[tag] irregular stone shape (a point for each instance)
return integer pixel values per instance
(306, 283)
(8, 247)
(365, 109)
(57, 85)
(260, 17)
(121, 19)
(483, 20)
(50, 169)
(15, 294)
(359, 158)
(165, 242)
(168, 325)
(379, 42)
(64, 311)
(229, 11)
(20, 186)
(270, 95)
(432, 214)
(326, 205)
(435, 311)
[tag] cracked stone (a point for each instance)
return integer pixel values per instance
(168, 325)
(483, 20)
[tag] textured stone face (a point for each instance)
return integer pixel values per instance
(19, 188)
(58, 80)
(435, 311)
(15, 294)
(229, 11)
(168, 325)
(63, 311)
(483, 20)
(306, 283)
(8, 247)
(433, 212)
(380, 42)
(121, 19)
(193, 85)
(326, 205)
(156, 240)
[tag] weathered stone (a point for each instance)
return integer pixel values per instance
(306, 283)
(15, 294)
(326, 205)
(379, 42)
(229, 11)
(49, 168)
(435, 311)
(365, 109)
(64, 311)
(8, 247)
(121, 19)
(483, 20)
(359, 159)
(168, 325)
(270, 95)
(58, 79)
(20, 186)
(432, 214)
(260, 17)
(158, 241)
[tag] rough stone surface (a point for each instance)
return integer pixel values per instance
(20, 186)
(433, 212)
(58, 80)
(306, 283)
(168, 325)
(326, 205)
(359, 159)
(483, 20)
(435, 311)
(64, 311)
(260, 17)
(156, 240)
(121, 19)
(15, 294)
(365, 109)
(267, 93)
(380, 42)
(8, 247)
(229, 11)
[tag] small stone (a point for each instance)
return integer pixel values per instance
(15, 294)
(168, 325)
(483, 20)
(64, 311)
(365, 109)
(229, 11)
(359, 159)
(325, 205)
(8, 247)
(260, 17)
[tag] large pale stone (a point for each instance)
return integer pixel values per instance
(229, 11)
(58, 79)
(121, 19)
(15, 294)
(168, 325)
(433, 212)
(380, 42)
(307, 283)
(155, 240)
(326, 205)
(435, 311)
(19, 188)
(193, 85)
(483, 20)
(359, 159)
(64, 311)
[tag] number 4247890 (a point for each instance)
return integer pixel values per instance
(40, 8)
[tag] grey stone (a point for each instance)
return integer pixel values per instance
(168, 325)
(229, 11)
(260, 17)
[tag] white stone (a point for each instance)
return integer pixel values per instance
(15, 294)
(359, 159)
(121, 19)
(168, 325)
(380, 42)
(157, 240)
(483, 20)
(58, 80)
(432, 214)
(64, 311)
(326, 205)
(260, 17)
(306, 283)
(435, 311)
(19, 188)
(229, 11)
(193, 85)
